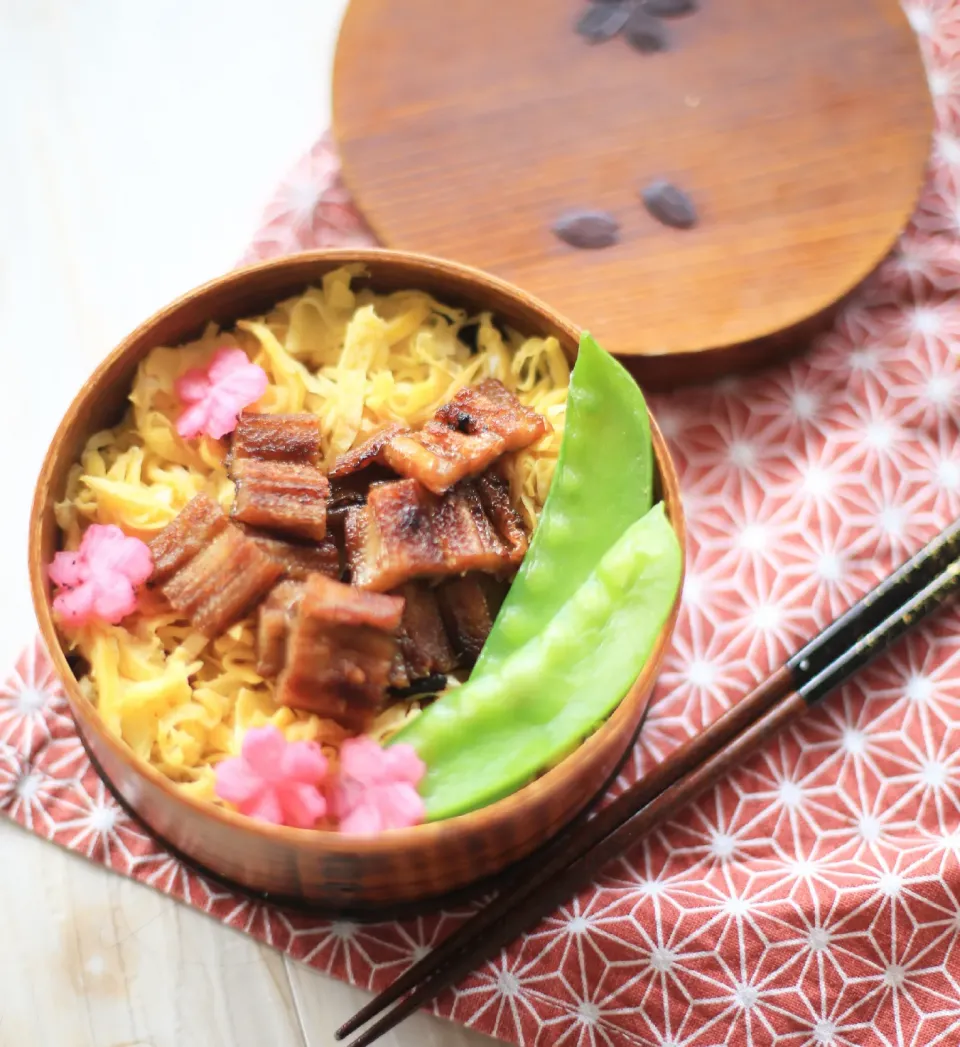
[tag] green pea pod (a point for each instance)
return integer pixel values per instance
(603, 483)
(486, 739)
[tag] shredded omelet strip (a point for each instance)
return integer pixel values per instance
(355, 359)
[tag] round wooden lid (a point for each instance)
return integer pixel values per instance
(800, 131)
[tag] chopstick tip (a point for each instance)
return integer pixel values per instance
(367, 1037)
(351, 1025)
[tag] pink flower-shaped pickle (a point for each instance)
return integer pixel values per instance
(216, 396)
(275, 780)
(377, 788)
(99, 581)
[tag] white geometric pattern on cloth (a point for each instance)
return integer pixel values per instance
(814, 896)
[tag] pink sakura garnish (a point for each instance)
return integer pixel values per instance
(98, 582)
(275, 780)
(377, 788)
(215, 397)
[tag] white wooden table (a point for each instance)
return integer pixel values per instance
(139, 140)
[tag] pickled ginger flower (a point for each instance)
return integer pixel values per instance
(377, 788)
(275, 780)
(98, 582)
(215, 397)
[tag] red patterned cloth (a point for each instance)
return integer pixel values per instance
(814, 896)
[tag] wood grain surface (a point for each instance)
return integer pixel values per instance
(801, 132)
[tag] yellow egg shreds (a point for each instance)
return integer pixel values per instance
(357, 360)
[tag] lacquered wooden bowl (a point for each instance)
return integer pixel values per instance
(324, 868)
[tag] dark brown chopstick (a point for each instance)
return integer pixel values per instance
(549, 876)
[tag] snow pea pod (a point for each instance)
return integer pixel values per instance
(602, 484)
(489, 737)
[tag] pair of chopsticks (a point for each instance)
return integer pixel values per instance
(572, 859)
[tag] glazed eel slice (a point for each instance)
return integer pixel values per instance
(291, 438)
(274, 618)
(208, 569)
(300, 558)
(340, 649)
(273, 462)
(464, 438)
(469, 606)
(405, 531)
(425, 654)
